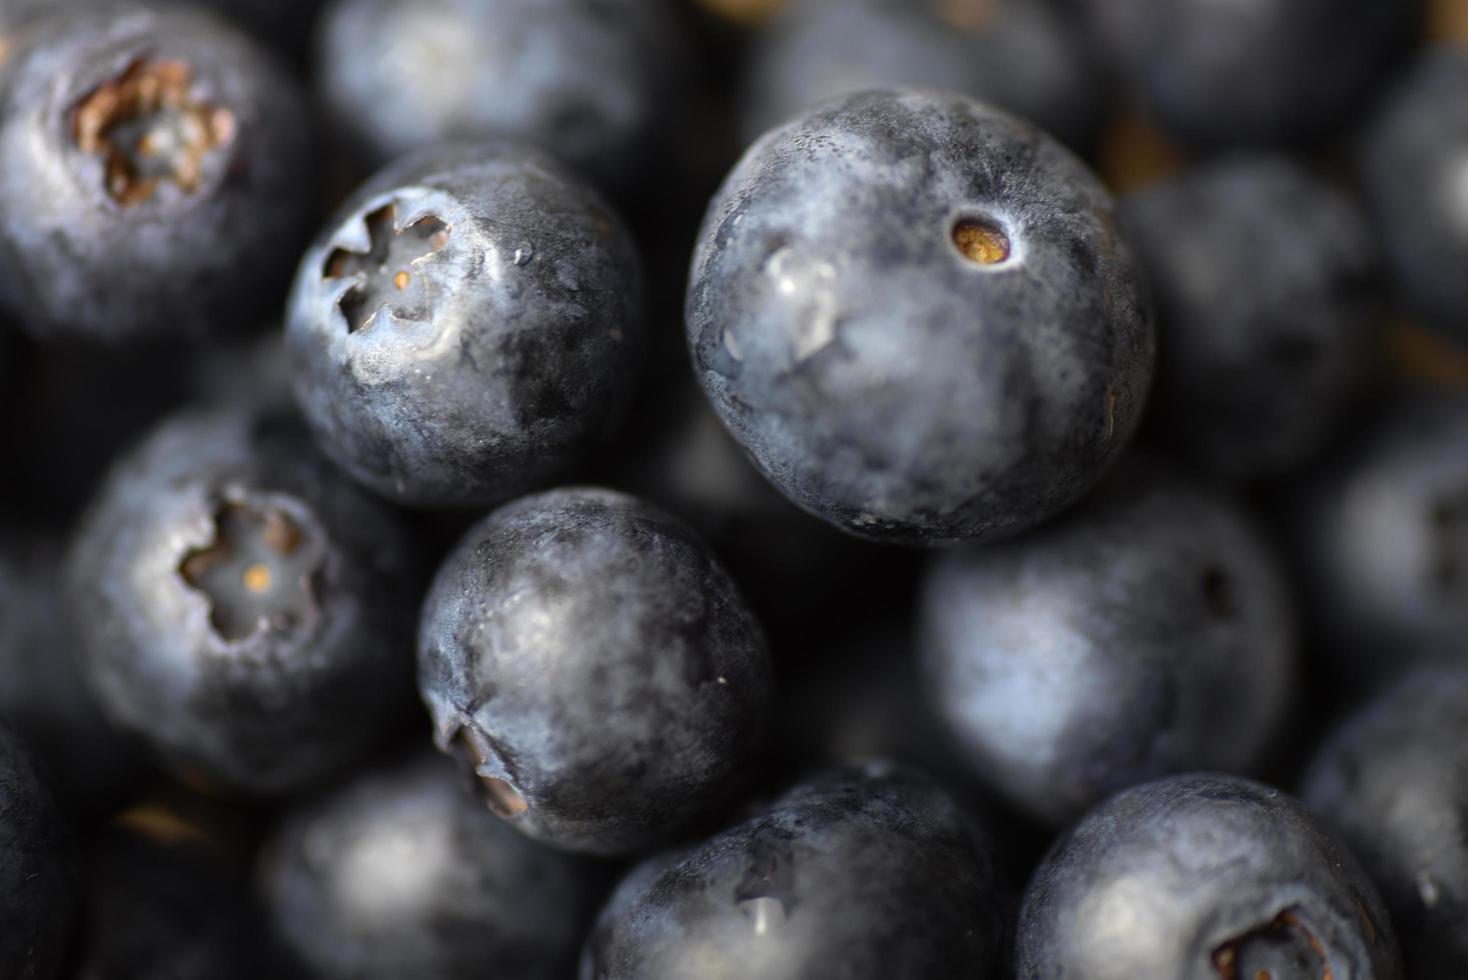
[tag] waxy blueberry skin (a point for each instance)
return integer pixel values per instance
(468, 326)
(1391, 781)
(1148, 631)
(1203, 877)
(860, 872)
(242, 606)
(158, 179)
(1254, 381)
(1410, 161)
(918, 317)
(588, 658)
(403, 873)
(1258, 73)
(592, 82)
(38, 877)
(1022, 55)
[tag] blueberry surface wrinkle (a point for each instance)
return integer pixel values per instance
(159, 176)
(1203, 877)
(241, 605)
(860, 872)
(877, 371)
(585, 655)
(468, 326)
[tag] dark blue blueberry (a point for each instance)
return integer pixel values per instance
(241, 606)
(1392, 781)
(169, 907)
(1022, 55)
(1203, 877)
(38, 887)
(1382, 536)
(403, 873)
(467, 328)
(1146, 632)
(43, 696)
(916, 315)
(1413, 163)
(860, 872)
(1258, 73)
(588, 658)
(591, 81)
(157, 179)
(1265, 283)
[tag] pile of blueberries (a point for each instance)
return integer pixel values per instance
(729, 492)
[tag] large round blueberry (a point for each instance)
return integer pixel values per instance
(595, 666)
(157, 179)
(1413, 161)
(1382, 533)
(917, 316)
(1203, 877)
(403, 873)
(1265, 281)
(863, 872)
(242, 606)
(1392, 781)
(38, 887)
(1255, 73)
(467, 327)
(1146, 632)
(591, 81)
(1022, 55)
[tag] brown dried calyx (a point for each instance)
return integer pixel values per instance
(147, 127)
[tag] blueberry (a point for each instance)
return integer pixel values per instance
(157, 179)
(43, 697)
(1270, 73)
(1144, 633)
(38, 888)
(1253, 382)
(916, 315)
(1382, 537)
(171, 906)
(1413, 162)
(402, 873)
(1392, 782)
(595, 666)
(1203, 877)
(467, 328)
(241, 607)
(859, 872)
(1022, 55)
(591, 81)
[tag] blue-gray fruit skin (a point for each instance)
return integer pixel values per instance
(858, 872)
(38, 877)
(404, 873)
(1391, 781)
(1410, 162)
(585, 654)
(255, 683)
(875, 374)
(1381, 537)
(1202, 877)
(88, 254)
(1265, 280)
(467, 327)
(1147, 632)
(1021, 55)
(1273, 73)
(590, 81)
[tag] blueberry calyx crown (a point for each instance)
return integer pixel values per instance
(498, 794)
(147, 127)
(256, 572)
(1283, 949)
(386, 273)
